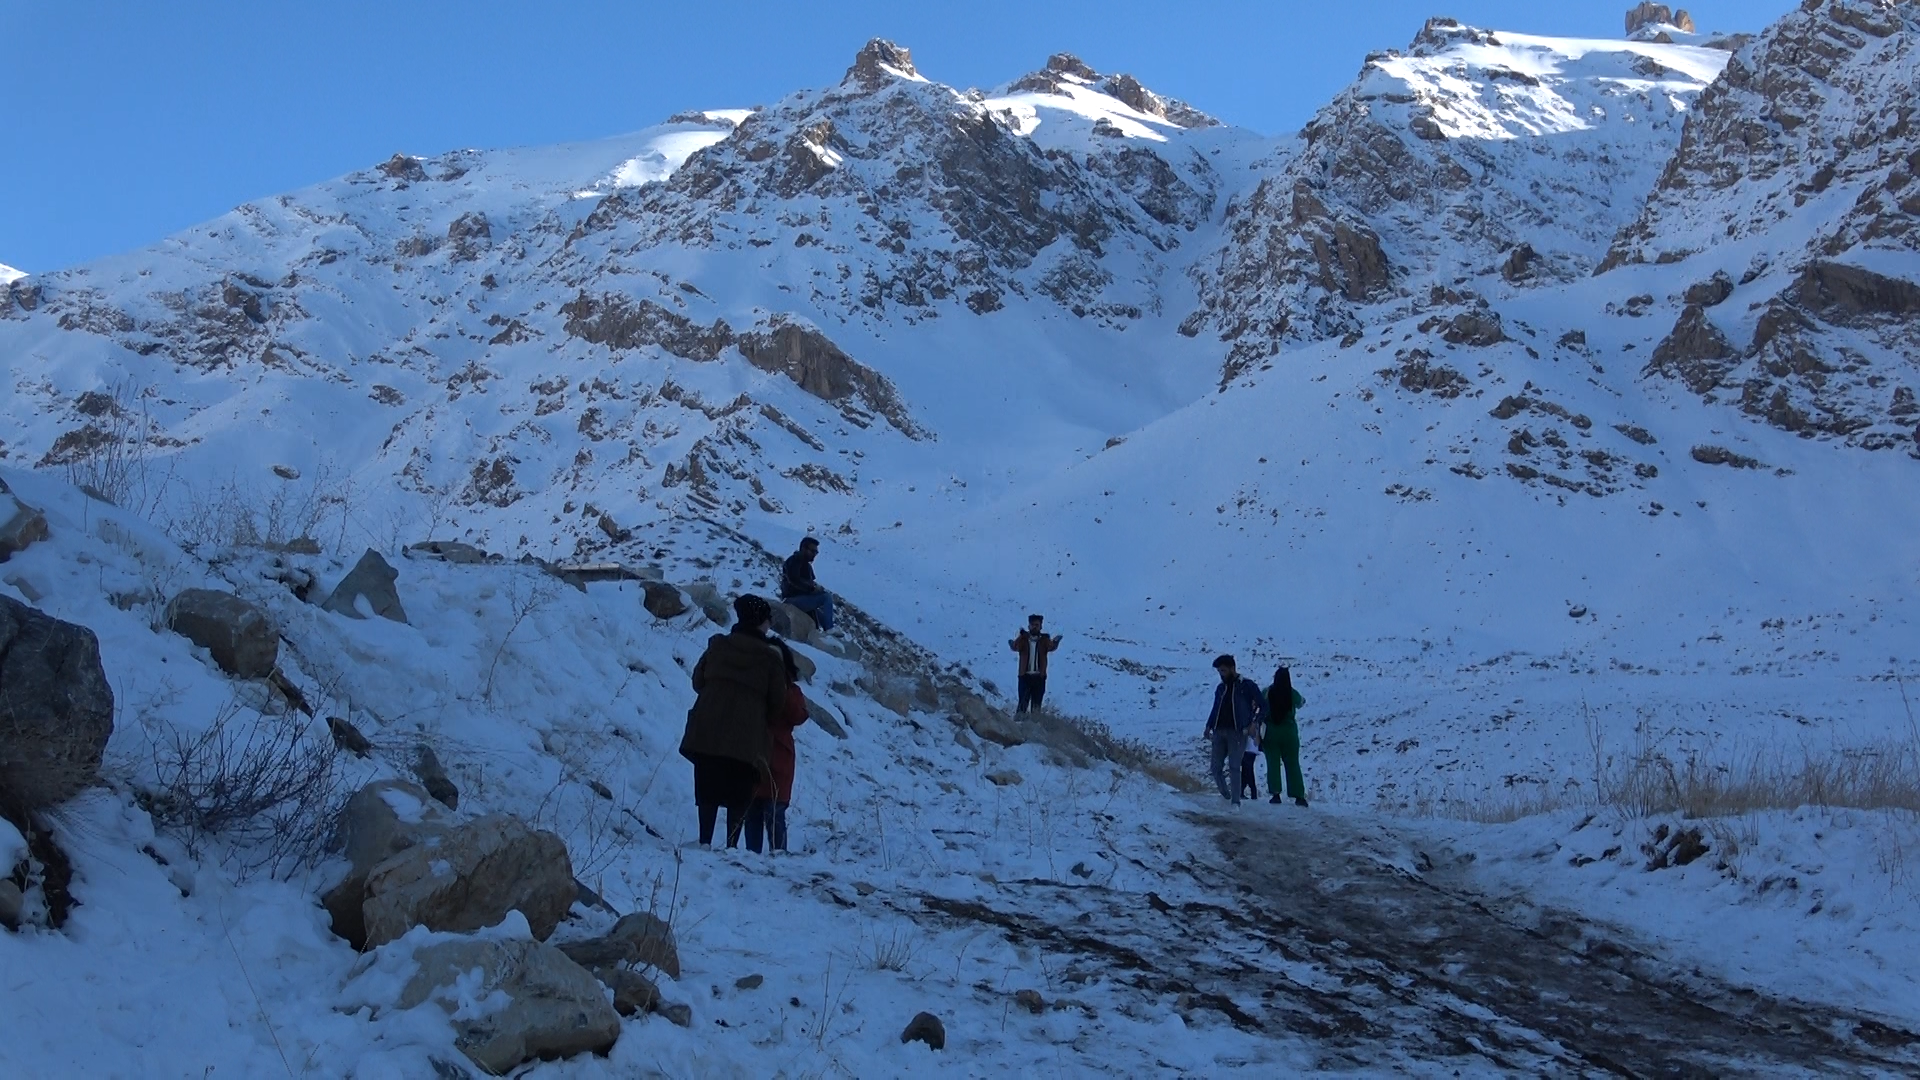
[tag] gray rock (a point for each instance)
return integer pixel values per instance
(56, 707)
(433, 776)
(1005, 778)
(822, 715)
(1030, 1000)
(11, 904)
(1696, 352)
(928, 1029)
(451, 551)
(238, 634)
(20, 525)
(378, 822)
(555, 1007)
(374, 579)
(712, 604)
(792, 623)
(347, 737)
(1710, 292)
(633, 993)
(749, 982)
(663, 601)
(676, 1012)
(641, 938)
(468, 878)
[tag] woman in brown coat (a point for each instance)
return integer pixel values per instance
(741, 681)
(768, 813)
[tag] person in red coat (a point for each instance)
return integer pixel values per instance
(767, 814)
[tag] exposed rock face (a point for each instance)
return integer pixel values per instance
(1065, 69)
(56, 708)
(1647, 15)
(1695, 352)
(1784, 135)
(1711, 292)
(371, 579)
(237, 633)
(1406, 181)
(880, 61)
(554, 1008)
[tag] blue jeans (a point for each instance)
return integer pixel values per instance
(1228, 743)
(769, 818)
(818, 606)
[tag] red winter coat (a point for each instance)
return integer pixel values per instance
(780, 752)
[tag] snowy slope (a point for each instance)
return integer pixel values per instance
(8, 275)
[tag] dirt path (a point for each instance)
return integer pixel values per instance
(1309, 929)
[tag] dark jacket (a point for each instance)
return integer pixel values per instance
(1033, 649)
(1247, 704)
(780, 751)
(796, 577)
(741, 681)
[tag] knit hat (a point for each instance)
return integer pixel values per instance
(752, 611)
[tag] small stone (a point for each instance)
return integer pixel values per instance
(863, 888)
(1030, 1000)
(433, 777)
(749, 982)
(347, 737)
(679, 1013)
(928, 1029)
(1005, 778)
(1577, 611)
(633, 993)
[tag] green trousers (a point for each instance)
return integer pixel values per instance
(1283, 752)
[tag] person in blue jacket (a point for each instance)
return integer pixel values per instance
(1238, 709)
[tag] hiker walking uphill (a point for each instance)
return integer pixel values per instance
(1283, 738)
(1238, 710)
(798, 587)
(741, 681)
(1034, 646)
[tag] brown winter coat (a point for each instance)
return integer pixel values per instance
(1034, 650)
(741, 681)
(781, 754)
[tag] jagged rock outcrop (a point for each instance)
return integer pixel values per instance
(1804, 153)
(56, 708)
(1695, 352)
(1065, 71)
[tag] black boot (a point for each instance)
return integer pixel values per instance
(1275, 800)
(1298, 800)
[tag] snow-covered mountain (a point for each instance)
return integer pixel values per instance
(1071, 344)
(8, 275)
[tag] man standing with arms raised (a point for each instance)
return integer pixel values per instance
(1238, 708)
(1033, 644)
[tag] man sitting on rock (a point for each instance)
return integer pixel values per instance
(798, 587)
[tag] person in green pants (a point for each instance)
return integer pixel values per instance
(1283, 738)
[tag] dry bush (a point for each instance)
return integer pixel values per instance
(1880, 776)
(114, 460)
(1130, 753)
(274, 512)
(269, 786)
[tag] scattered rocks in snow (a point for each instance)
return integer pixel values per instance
(238, 634)
(1673, 847)
(552, 1006)
(1478, 327)
(749, 982)
(20, 524)
(56, 707)
(641, 938)
(1720, 455)
(926, 1028)
(371, 579)
(402, 167)
(1005, 778)
(1030, 1000)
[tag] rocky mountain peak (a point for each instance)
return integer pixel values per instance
(1066, 70)
(880, 62)
(1654, 18)
(8, 275)
(1441, 33)
(1069, 64)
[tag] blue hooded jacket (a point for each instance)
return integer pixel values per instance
(1249, 703)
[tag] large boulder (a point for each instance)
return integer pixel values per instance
(469, 878)
(663, 601)
(712, 604)
(512, 1000)
(56, 708)
(20, 524)
(238, 634)
(371, 578)
(414, 863)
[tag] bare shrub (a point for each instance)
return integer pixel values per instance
(528, 592)
(273, 512)
(890, 950)
(268, 786)
(113, 456)
(1879, 776)
(1131, 753)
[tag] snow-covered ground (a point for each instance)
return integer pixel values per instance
(1498, 567)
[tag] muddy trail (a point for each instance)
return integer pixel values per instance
(1347, 949)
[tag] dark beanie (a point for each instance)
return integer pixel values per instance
(752, 611)
(1224, 660)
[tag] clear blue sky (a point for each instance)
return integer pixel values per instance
(126, 121)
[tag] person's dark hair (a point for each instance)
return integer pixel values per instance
(1283, 685)
(793, 667)
(1035, 618)
(751, 611)
(1223, 660)
(810, 541)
